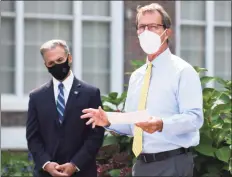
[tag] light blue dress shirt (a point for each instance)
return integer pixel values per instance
(175, 96)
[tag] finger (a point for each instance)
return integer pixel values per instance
(93, 125)
(87, 115)
(88, 110)
(90, 121)
(59, 167)
(59, 174)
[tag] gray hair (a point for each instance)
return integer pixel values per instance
(52, 44)
(166, 20)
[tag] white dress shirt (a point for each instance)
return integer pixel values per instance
(175, 96)
(67, 86)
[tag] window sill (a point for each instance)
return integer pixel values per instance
(14, 103)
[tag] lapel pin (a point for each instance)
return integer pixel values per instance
(75, 92)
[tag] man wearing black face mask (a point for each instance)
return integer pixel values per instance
(60, 142)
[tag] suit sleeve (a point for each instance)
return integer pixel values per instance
(34, 141)
(93, 141)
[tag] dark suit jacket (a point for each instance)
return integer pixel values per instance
(72, 141)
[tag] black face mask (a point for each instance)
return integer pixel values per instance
(60, 71)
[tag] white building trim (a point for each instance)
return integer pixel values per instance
(19, 48)
(117, 47)
(178, 26)
(77, 39)
(209, 40)
(48, 16)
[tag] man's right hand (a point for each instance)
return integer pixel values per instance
(51, 169)
(97, 117)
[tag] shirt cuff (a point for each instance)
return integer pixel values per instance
(45, 164)
(167, 125)
(77, 169)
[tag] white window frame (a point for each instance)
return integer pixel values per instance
(209, 25)
(19, 101)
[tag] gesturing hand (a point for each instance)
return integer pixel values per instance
(67, 169)
(151, 126)
(51, 169)
(97, 117)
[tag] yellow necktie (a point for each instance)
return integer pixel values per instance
(138, 132)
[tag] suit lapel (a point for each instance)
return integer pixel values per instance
(73, 96)
(50, 101)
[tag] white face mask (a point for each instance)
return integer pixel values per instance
(150, 42)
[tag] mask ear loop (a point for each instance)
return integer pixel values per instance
(165, 38)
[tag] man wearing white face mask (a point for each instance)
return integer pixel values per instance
(170, 90)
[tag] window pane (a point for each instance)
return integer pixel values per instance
(193, 10)
(7, 62)
(101, 8)
(222, 52)
(36, 33)
(96, 58)
(193, 45)
(7, 6)
(222, 11)
(48, 7)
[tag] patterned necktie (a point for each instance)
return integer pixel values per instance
(61, 102)
(138, 132)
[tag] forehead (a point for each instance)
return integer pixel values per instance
(150, 17)
(54, 53)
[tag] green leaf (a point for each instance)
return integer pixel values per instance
(199, 70)
(110, 140)
(113, 95)
(207, 79)
(223, 154)
(207, 94)
(225, 108)
(224, 98)
(104, 98)
(220, 137)
(115, 172)
(228, 139)
(137, 63)
(205, 147)
(228, 120)
(108, 109)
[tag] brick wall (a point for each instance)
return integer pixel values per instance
(132, 50)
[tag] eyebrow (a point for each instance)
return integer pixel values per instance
(159, 24)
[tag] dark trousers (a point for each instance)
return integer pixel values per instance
(177, 166)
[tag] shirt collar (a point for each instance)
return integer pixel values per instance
(161, 58)
(67, 82)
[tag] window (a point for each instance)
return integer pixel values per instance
(96, 45)
(193, 32)
(7, 62)
(88, 27)
(222, 38)
(204, 35)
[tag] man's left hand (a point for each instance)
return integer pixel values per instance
(152, 125)
(67, 168)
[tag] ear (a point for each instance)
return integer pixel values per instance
(168, 32)
(70, 58)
